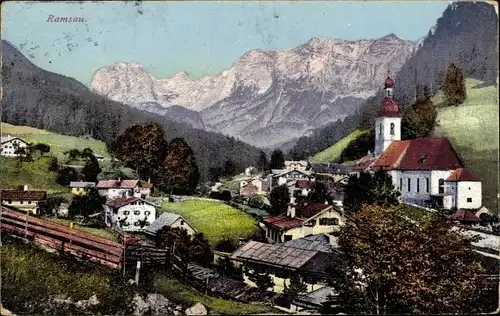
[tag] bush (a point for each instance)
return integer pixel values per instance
(225, 196)
(226, 245)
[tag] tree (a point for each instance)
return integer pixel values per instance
(369, 189)
(65, 175)
(296, 287)
(180, 173)
(359, 147)
(229, 168)
(454, 86)
(262, 163)
(279, 198)
(328, 307)
(142, 148)
(41, 148)
(200, 251)
(51, 204)
(260, 276)
(226, 268)
(277, 160)
(214, 174)
(419, 119)
(319, 193)
(225, 195)
(392, 265)
(53, 165)
(87, 204)
(91, 169)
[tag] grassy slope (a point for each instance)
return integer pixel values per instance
(58, 143)
(105, 233)
(34, 173)
(181, 294)
(333, 152)
(472, 128)
(214, 219)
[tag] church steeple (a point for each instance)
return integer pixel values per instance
(388, 124)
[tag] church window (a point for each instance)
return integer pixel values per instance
(409, 185)
(441, 186)
(418, 185)
(401, 184)
(392, 128)
(427, 185)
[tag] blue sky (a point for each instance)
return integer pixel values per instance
(200, 38)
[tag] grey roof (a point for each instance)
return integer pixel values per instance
(317, 297)
(330, 168)
(165, 219)
(7, 138)
(320, 242)
(81, 184)
(274, 254)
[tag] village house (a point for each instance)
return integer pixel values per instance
(337, 172)
(427, 172)
(169, 220)
(79, 187)
(300, 165)
(129, 213)
(24, 199)
(10, 144)
(251, 171)
(300, 187)
(248, 190)
(310, 260)
(118, 188)
(302, 219)
(287, 177)
(313, 301)
(254, 186)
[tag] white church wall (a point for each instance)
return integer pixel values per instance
(469, 195)
(416, 192)
(435, 176)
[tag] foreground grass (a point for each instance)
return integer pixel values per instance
(333, 152)
(58, 143)
(104, 233)
(472, 128)
(34, 173)
(30, 276)
(216, 220)
(181, 294)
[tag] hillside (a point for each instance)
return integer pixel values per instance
(38, 98)
(332, 153)
(472, 128)
(58, 143)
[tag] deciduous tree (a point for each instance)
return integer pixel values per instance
(392, 265)
(87, 204)
(279, 198)
(180, 172)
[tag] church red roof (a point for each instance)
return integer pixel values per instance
(461, 174)
(419, 154)
(389, 83)
(389, 108)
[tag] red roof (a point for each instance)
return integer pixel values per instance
(364, 163)
(464, 216)
(117, 184)
(283, 222)
(389, 108)
(20, 195)
(389, 83)
(419, 154)
(303, 210)
(461, 174)
(304, 184)
(121, 201)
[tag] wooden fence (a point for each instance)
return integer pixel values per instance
(63, 238)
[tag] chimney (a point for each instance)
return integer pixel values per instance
(25, 187)
(326, 202)
(149, 180)
(291, 211)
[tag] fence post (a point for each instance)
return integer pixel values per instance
(137, 271)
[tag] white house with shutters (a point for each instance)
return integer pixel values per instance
(129, 213)
(10, 145)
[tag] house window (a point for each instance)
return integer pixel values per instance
(141, 203)
(427, 185)
(182, 222)
(148, 223)
(469, 200)
(22, 202)
(418, 185)
(137, 224)
(147, 212)
(328, 221)
(126, 224)
(409, 185)
(126, 212)
(10, 201)
(392, 129)
(137, 212)
(441, 186)
(288, 237)
(380, 129)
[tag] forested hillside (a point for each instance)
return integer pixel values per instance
(45, 100)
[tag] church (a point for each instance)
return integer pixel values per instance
(427, 171)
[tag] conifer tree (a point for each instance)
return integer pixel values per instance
(454, 86)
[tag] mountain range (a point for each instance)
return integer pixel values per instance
(266, 98)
